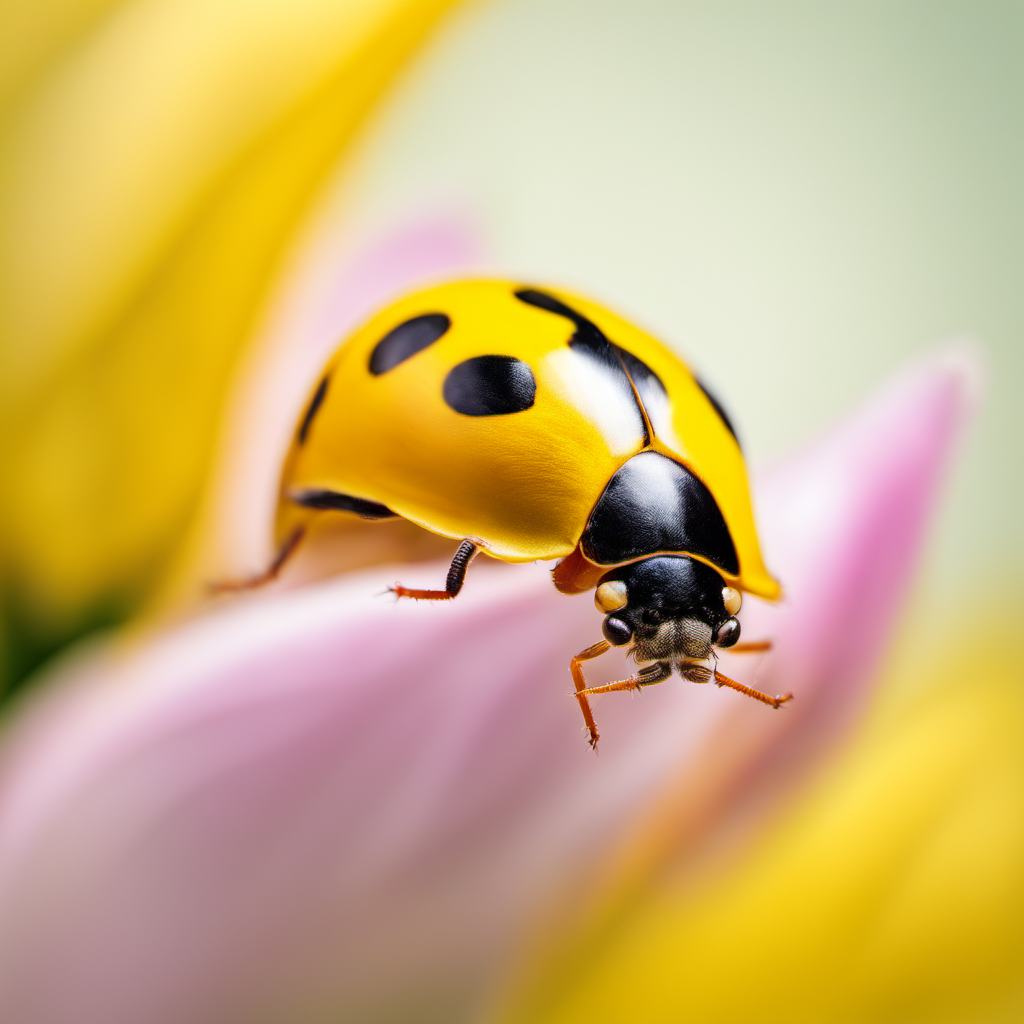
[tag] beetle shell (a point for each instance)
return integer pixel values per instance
(533, 422)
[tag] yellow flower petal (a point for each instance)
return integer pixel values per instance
(35, 36)
(892, 893)
(150, 184)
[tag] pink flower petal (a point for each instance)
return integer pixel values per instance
(321, 802)
(847, 515)
(842, 523)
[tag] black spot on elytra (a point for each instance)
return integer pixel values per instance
(589, 340)
(647, 382)
(718, 408)
(587, 336)
(543, 300)
(314, 404)
(335, 501)
(405, 340)
(490, 386)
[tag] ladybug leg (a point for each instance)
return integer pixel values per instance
(774, 702)
(754, 647)
(648, 676)
(456, 576)
(269, 574)
(594, 651)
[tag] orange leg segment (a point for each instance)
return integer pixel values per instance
(754, 647)
(456, 576)
(622, 684)
(775, 702)
(594, 651)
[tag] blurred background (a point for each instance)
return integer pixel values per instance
(800, 195)
(797, 194)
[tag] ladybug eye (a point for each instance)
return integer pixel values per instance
(616, 631)
(611, 596)
(727, 634)
(732, 599)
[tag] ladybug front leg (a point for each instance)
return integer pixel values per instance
(753, 647)
(594, 651)
(775, 702)
(453, 584)
(647, 676)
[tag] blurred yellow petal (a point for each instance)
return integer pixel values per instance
(892, 893)
(36, 35)
(151, 181)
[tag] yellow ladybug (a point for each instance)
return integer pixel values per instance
(533, 424)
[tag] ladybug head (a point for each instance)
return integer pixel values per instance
(669, 608)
